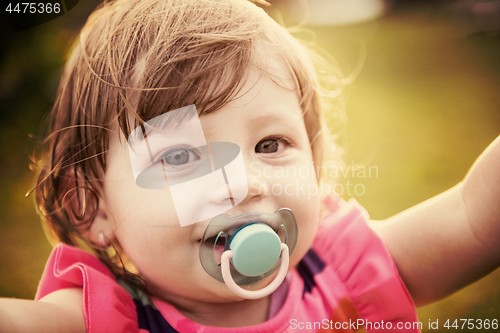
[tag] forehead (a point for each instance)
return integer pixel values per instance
(266, 104)
(267, 93)
(236, 83)
(270, 64)
(261, 76)
(209, 90)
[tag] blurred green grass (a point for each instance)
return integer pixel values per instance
(422, 109)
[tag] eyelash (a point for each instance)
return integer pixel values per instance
(163, 154)
(278, 138)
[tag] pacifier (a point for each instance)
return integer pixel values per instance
(247, 248)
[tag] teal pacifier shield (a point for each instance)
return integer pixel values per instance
(225, 233)
(256, 249)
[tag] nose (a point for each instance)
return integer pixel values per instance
(222, 195)
(257, 186)
(243, 175)
(244, 183)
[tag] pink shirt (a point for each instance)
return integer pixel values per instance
(347, 282)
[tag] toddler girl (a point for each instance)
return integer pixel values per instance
(159, 94)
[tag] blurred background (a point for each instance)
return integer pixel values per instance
(424, 104)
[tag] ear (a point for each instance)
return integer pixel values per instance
(102, 229)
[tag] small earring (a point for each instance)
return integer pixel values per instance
(102, 240)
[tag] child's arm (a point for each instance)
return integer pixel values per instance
(451, 240)
(60, 311)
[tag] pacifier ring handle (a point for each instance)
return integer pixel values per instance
(255, 294)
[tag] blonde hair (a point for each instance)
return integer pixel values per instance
(144, 58)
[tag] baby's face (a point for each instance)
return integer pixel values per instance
(266, 122)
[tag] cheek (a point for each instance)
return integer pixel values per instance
(130, 204)
(308, 218)
(157, 252)
(305, 204)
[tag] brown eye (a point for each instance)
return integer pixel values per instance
(177, 157)
(267, 146)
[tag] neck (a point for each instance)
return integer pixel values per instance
(229, 313)
(236, 314)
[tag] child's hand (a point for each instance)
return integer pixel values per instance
(451, 240)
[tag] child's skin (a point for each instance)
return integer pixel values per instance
(451, 240)
(439, 246)
(167, 256)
